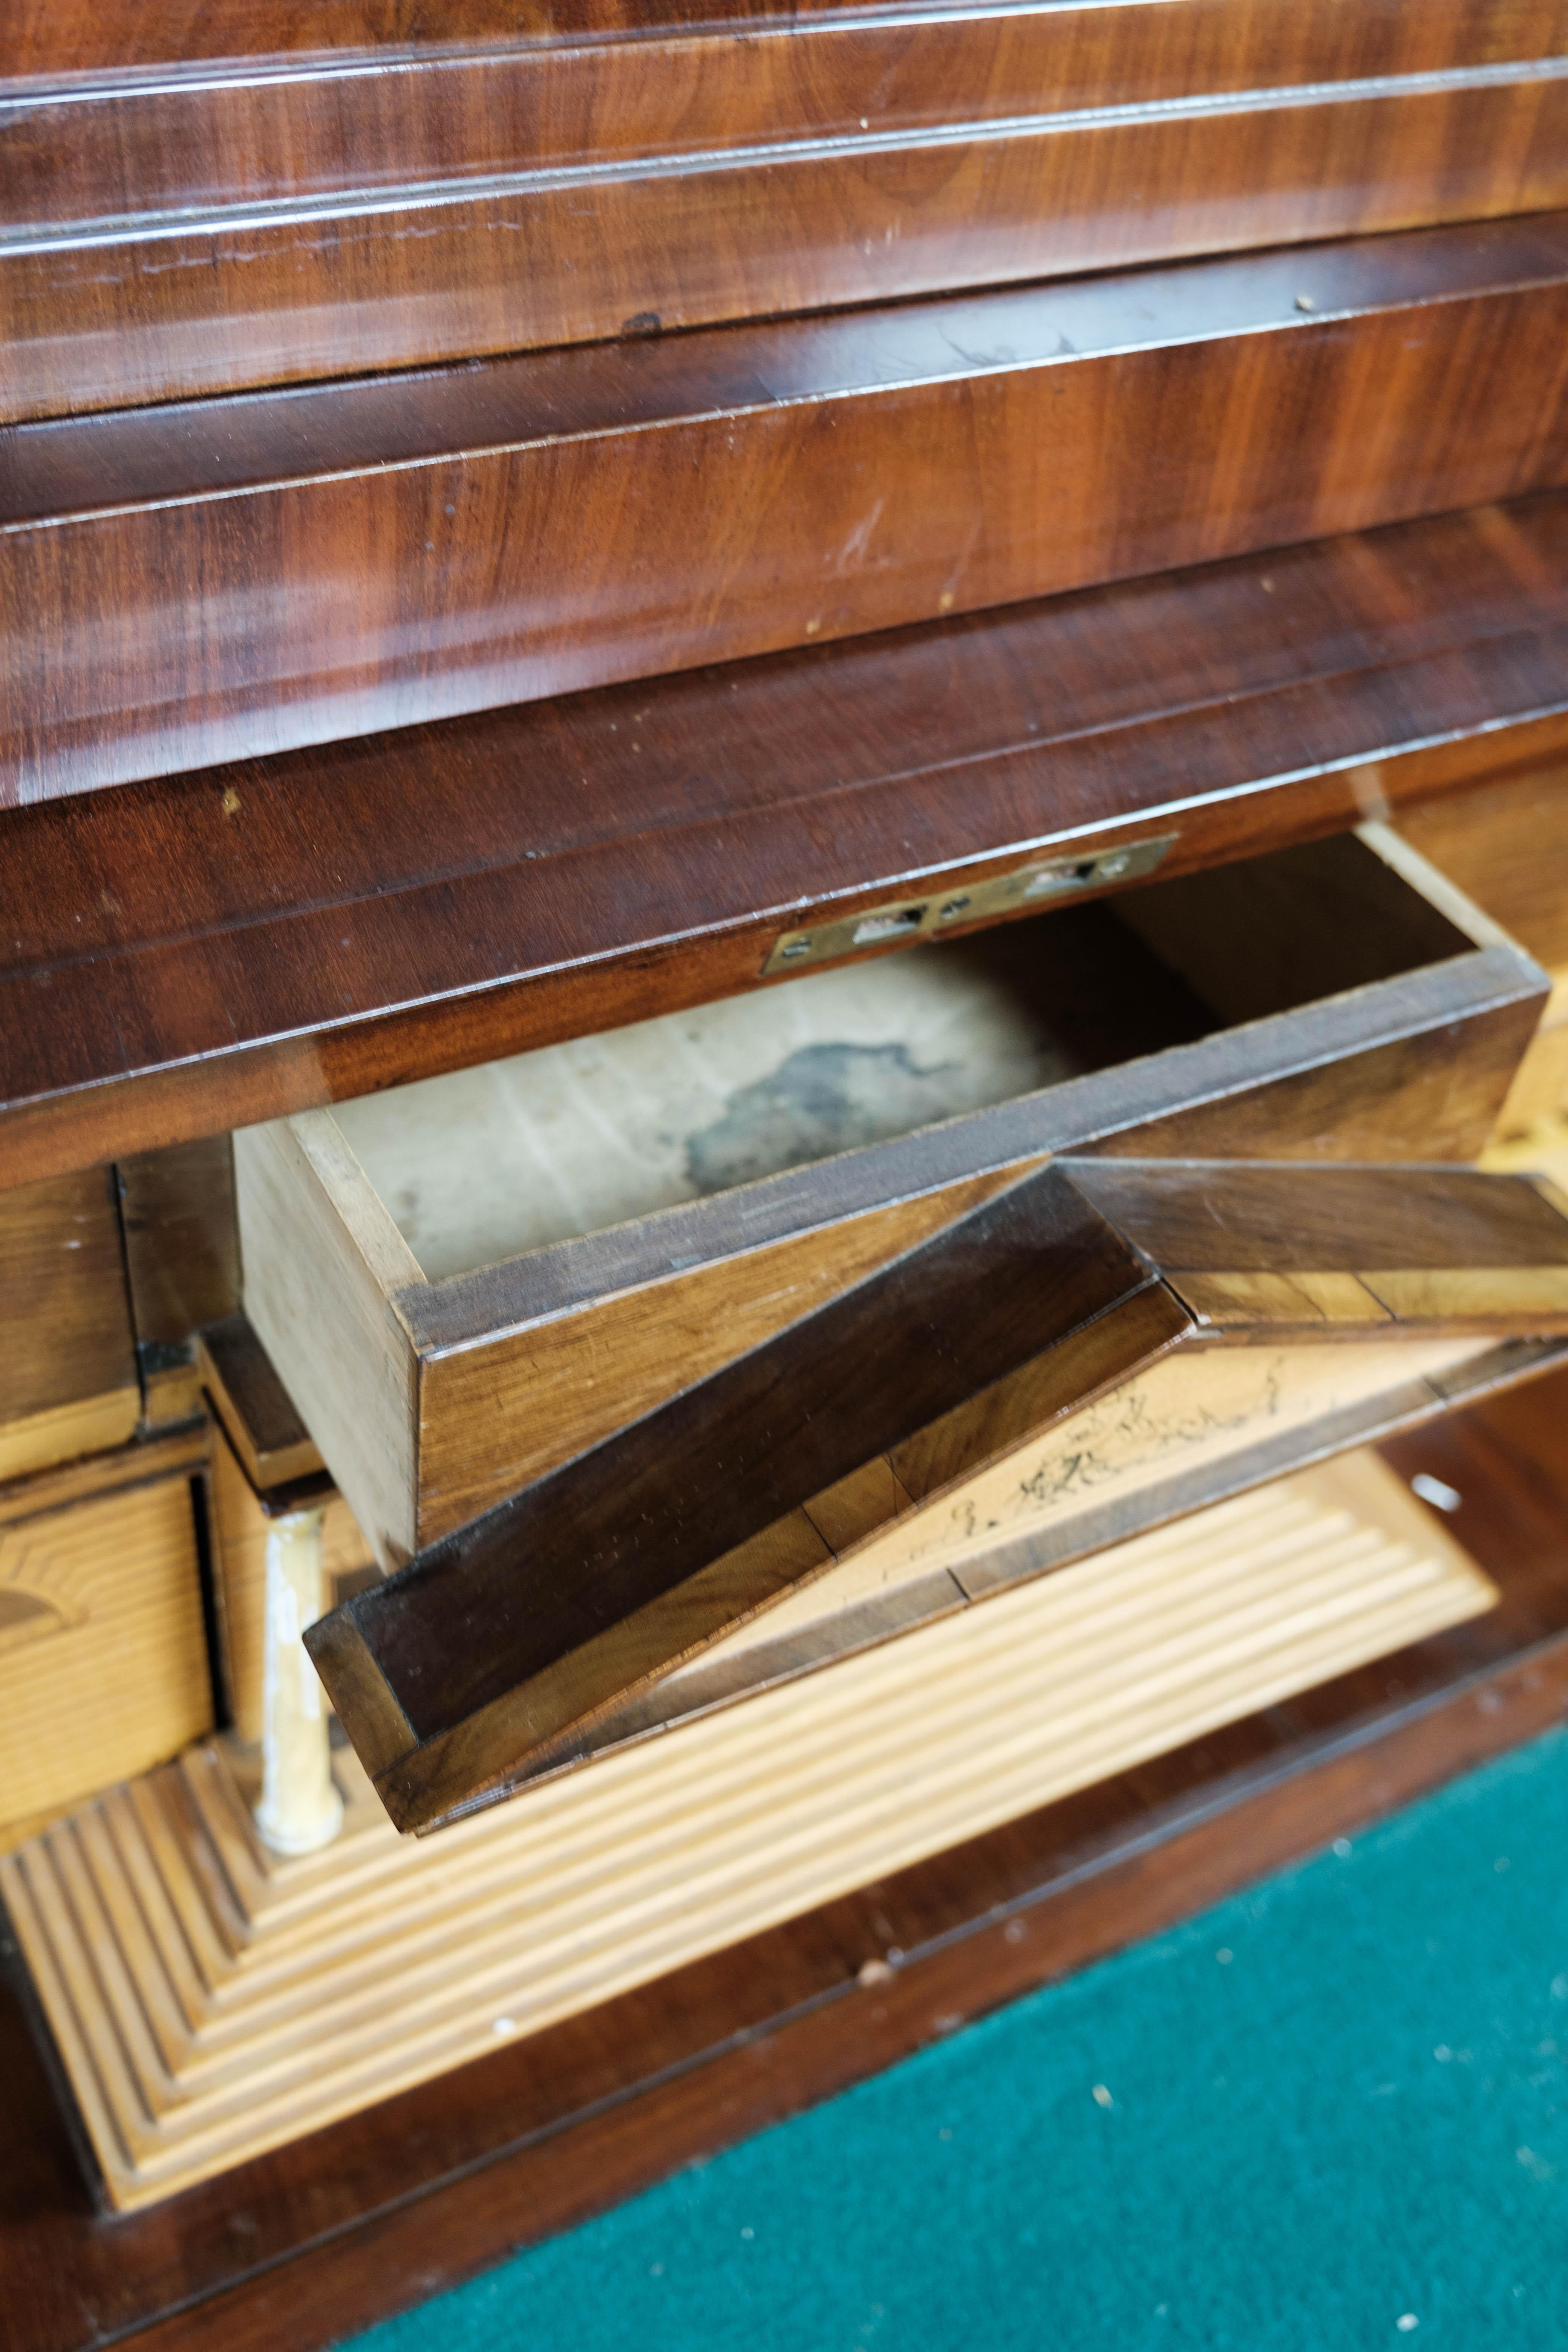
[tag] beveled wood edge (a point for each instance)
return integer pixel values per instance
(542, 1284)
(869, 1624)
(275, 1502)
(1465, 60)
(710, 375)
(366, 1704)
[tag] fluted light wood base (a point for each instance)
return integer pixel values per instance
(210, 2000)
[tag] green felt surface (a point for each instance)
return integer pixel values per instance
(1332, 2117)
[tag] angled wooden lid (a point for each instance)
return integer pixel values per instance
(631, 1558)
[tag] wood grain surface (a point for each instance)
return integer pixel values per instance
(67, 1365)
(491, 1375)
(103, 1654)
(1238, 41)
(257, 1414)
(323, 1265)
(196, 231)
(1505, 843)
(522, 527)
(348, 2226)
(349, 918)
(566, 1598)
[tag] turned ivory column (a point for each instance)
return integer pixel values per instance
(300, 1807)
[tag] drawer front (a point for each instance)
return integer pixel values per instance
(312, 927)
(103, 1655)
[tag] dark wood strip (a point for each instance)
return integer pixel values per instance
(344, 2229)
(523, 527)
(351, 918)
(1281, 1220)
(1102, 54)
(112, 142)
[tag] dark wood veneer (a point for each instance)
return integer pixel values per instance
(166, 235)
(188, 955)
(524, 526)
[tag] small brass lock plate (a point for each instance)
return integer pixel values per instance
(1040, 884)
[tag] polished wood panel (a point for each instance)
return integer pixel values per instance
(640, 1553)
(350, 2225)
(1505, 845)
(195, 232)
(350, 919)
(631, 509)
(67, 1365)
(1231, 1218)
(1235, 41)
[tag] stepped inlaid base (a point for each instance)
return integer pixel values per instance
(210, 2000)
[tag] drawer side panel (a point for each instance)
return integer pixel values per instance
(322, 1312)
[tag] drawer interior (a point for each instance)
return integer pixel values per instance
(488, 1163)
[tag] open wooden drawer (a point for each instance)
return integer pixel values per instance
(603, 1226)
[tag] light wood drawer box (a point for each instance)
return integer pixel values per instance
(466, 1282)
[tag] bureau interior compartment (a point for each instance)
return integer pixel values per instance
(487, 1163)
(465, 1282)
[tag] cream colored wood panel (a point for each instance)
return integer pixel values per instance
(571, 1139)
(103, 1660)
(321, 1259)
